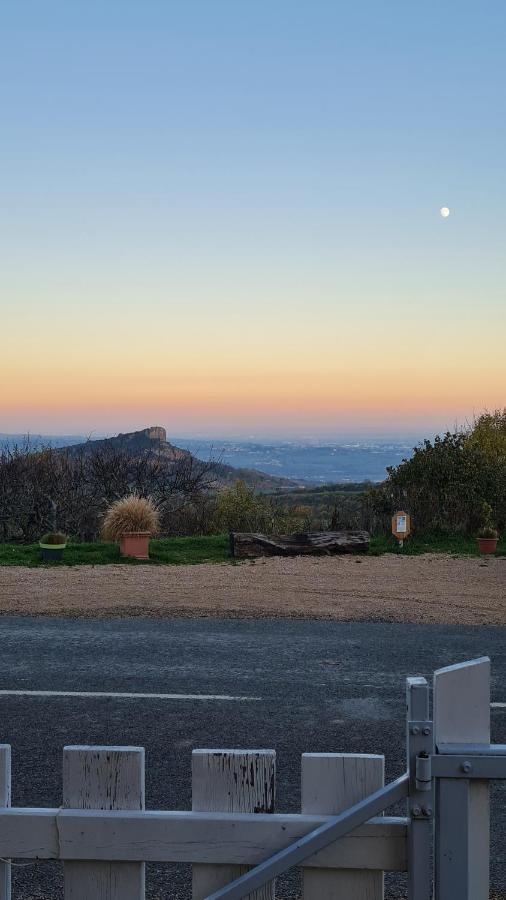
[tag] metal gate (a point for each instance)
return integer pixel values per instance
(103, 834)
(450, 762)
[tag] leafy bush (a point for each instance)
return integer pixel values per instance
(489, 434)
(128, 515)
(487, 529)
(447, 481)
(54, 537)
(488, 532)
(241, 508)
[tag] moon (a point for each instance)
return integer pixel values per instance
(445, 212)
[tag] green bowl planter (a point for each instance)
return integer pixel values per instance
(51, 552)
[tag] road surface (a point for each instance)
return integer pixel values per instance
(300, 685)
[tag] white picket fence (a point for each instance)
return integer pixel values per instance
(104, 835)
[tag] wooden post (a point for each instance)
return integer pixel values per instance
(103, 778)
(462, 716)
(331, 782)
(5, 800)
(231, 781)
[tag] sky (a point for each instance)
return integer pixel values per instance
(222, 216)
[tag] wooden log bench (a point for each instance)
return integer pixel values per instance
(247, 545)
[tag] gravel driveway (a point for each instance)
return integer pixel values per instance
(422, 589)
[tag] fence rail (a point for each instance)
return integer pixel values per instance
(237, 844)
(189, 837)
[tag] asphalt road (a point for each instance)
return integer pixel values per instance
(323, 686)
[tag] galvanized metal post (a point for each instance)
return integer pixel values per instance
(5, 800)
(462, 716)
(419, 747)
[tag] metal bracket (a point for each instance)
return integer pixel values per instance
(423, 772)
(461, 765)
(471, 749)
(421, 749)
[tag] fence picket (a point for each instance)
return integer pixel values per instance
(5, 800)
(103, 778)
(462, 715)
(331, 782)
(231, 781)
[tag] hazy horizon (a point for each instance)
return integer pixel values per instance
(227, 216)
(261, 436)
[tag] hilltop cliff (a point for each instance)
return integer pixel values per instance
(154, 440)
(134, 442)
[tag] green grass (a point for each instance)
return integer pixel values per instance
(168, 551)
(459, 545)
(215, 548)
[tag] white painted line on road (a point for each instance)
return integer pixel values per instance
(119, 696)
(498, 705)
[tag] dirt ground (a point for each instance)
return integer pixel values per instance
(430, 588)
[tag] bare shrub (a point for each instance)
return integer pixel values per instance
(189, 515)
(45, 489)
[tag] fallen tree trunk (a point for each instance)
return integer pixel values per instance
(323, 543)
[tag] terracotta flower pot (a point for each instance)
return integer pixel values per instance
(136, 544)
(487, 545)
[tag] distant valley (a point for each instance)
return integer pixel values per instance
(309, 462)
(302, 461)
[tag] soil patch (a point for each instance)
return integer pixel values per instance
(420, 589)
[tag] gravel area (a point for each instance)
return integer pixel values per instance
(420, 589)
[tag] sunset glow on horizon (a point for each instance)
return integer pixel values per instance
(228, 219)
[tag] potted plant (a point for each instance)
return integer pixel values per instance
(487, 535)
(52, 545)
(131, 521)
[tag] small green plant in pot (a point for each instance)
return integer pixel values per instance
(487, 535)
(131, 521)
(52, 546)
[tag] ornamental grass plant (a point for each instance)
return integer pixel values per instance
(129, 515)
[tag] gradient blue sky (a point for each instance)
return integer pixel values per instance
(223, 216)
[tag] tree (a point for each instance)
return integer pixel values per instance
(446, 482)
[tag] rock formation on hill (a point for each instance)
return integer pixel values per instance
(154, 440)
(134, 442)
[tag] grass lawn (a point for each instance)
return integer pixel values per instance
(435, 543)
(171, 551)
(215, 548)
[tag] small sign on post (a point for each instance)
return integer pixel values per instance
(401, 526)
